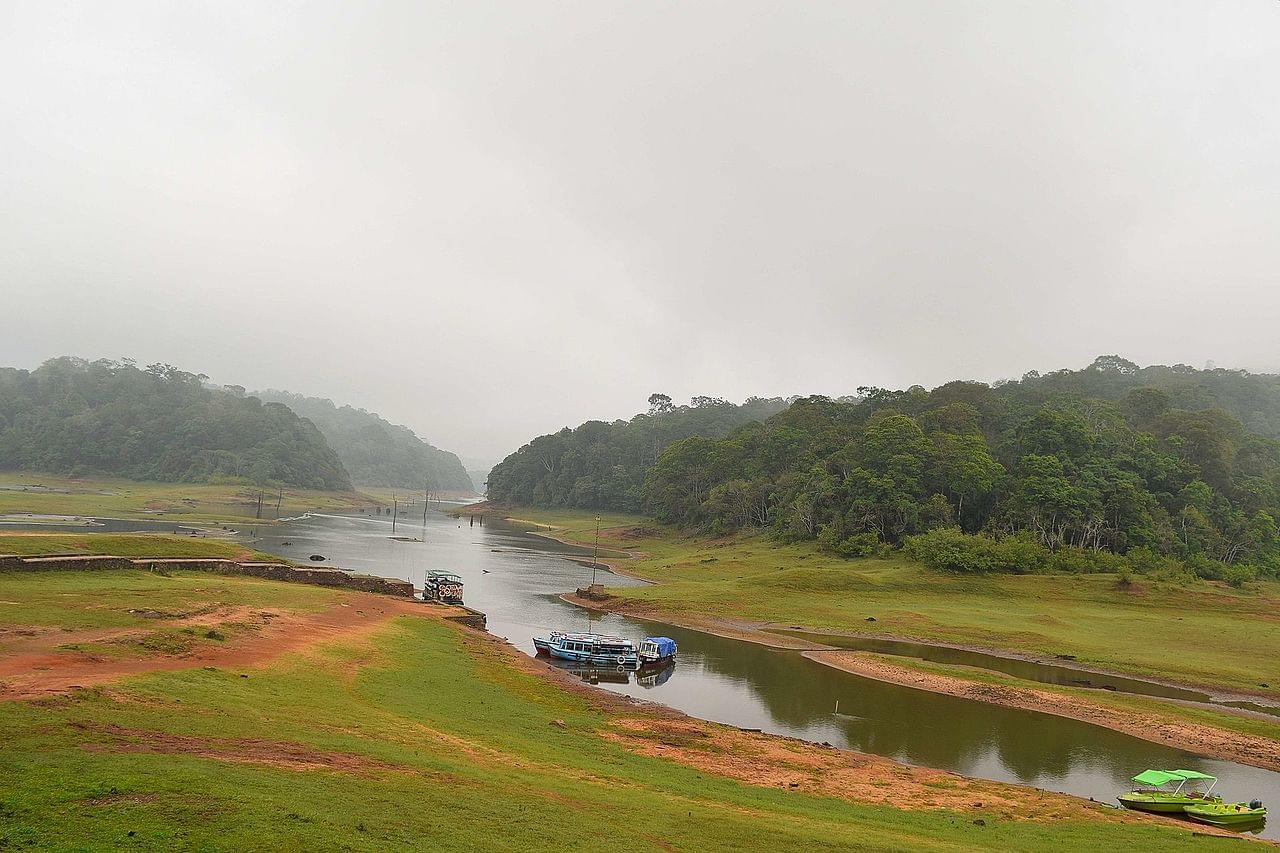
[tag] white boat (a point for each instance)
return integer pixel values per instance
(598, 649)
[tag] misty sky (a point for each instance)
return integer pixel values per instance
(488, 221)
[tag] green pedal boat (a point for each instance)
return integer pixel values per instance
(1169, 791)
(1228, 814)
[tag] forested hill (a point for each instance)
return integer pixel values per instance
(1168, 461)
(375, 452)
(71, 416)
(603, 465)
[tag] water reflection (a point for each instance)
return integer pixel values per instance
(516, 579)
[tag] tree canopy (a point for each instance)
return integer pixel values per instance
(602, 465)
(1110, 458)
(376, 452)
(71, 416)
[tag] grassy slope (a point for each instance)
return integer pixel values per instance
(124, 545)
(450, 747)
(1204, 634)
(178, 502)
(103, 599)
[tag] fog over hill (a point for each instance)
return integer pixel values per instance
(376, 452)
(561, 212)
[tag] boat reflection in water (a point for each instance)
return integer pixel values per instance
(652, 677)
(647, 677)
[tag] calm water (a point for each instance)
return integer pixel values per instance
(516, 578)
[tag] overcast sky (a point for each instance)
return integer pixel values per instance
(488, 221)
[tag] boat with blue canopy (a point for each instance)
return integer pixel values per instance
(657, 651)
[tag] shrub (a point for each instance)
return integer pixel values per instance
(1084, 561)
(1240, 574)
(949, 549)
(1203, 567)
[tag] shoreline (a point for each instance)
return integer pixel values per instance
(773, 760)
(1210, 741)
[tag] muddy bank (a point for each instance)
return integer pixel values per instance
(1202, 739)
(1193, 737)
(792, 764)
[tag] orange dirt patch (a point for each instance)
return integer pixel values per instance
(32, 666)
(271, 753)
(1205, 740)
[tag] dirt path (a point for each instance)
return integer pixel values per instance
(32, 665)
(1205, 740)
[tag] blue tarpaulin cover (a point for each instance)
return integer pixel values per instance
(666, 645)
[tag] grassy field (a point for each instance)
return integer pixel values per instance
(30, 544)
(46, 494)
(1204, 633)
(420, 734)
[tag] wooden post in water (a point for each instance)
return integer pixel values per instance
(395, 513)
(595, 553)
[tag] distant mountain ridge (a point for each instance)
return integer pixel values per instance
(374, 451)
(79, 417)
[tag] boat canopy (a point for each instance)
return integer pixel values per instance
(1156, 778)
(1194, 774)
(666, 645)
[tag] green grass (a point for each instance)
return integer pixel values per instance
(103, 599)
(1204, 634)
(184, 503)
(450, 747)
(126, 545)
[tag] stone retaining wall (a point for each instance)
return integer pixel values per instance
(271, 571)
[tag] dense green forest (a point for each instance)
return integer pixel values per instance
(1070, 469)
(603, 465)
(71, 416)
(375, 452)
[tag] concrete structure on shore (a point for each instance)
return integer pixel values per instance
(271, 571)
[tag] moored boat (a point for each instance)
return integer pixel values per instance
(542, 645)
(597, 649)
(444, 587)
(656, 651)
(1169, 791)
(1228, 814)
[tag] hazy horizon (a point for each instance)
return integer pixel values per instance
(489, 221)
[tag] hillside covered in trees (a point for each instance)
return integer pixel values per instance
(1157, 462)
(375, 452)
(602, 465)
(71, 416)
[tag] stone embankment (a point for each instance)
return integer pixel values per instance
(271, 571)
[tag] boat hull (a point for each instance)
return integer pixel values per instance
(1158, 803)
(1226, 815)
(594, 658)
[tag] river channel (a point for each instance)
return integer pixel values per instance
(515, 578)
